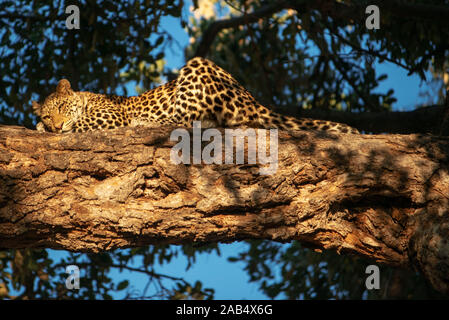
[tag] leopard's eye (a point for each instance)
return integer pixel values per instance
(46, 118)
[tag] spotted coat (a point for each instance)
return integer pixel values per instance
(203, 91)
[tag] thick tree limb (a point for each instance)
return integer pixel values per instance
(383, 197)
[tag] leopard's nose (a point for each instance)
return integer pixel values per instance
(58, 124)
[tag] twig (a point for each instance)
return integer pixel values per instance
(446, 113)
(369, 52)
(217, 26)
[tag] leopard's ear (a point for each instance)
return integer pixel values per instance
(63, 86)
(36, 107)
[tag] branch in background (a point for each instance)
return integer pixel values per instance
(334, 9)
(340, 66)
(435, 13)
(345, 11)
(212, 31)
(369, 52)
(422, 120)
(444, 126)
(16, 16)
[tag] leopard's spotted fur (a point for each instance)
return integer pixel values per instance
(203, 91)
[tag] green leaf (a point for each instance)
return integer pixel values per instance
(122, 285)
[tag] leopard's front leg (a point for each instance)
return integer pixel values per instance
(40, 126)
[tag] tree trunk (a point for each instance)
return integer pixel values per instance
(384, 197)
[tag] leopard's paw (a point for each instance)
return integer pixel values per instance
(40, 127)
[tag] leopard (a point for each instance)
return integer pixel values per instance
(202, 91)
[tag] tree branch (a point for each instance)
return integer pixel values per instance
(434, 13)
(217, 26)
(18, 16)
(381, 197)
(421, 120)
(354, 9)
(369, 52)
(334, 9)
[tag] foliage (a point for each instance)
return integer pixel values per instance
(307, 55)
(322, 58)
(295, 272)
(32, 274)
(120, 41)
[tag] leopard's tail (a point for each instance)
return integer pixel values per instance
(269, 119)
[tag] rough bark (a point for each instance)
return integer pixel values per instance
(384, 197)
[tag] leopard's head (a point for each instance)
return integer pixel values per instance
(60, 109)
